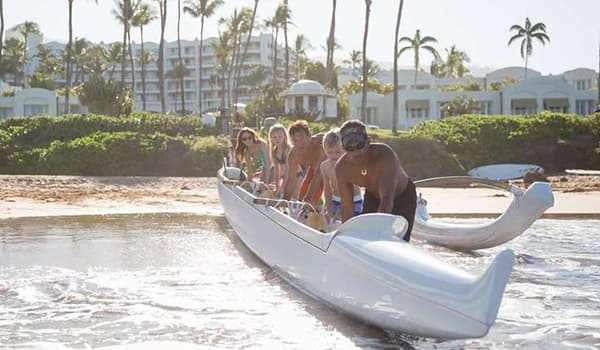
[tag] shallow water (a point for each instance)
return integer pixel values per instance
(186, 281)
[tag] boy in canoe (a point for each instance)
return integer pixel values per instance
(377, 168)
(332, 146)
(307, 151)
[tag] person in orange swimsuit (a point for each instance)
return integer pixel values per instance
(307, 151)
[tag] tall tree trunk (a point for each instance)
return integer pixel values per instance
(181, 66)
(143, 63)
(363, 103)
(223, 90)
(200, 65)
(232, 65)
(526, 57)
(395, 97)
(124, 49)
(287, 48)
(330, 47)
(161, 55)
(1, 27)
(238, 72)
(274, 80)
(68, 63)
(131, 60)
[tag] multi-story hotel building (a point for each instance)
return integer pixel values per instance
(573, 91)
(260, 52)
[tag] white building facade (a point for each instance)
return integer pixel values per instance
(36, 101)
(423, 99)
(208, 91)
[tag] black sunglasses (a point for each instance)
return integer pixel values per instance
(354, 142)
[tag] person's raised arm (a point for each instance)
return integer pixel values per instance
(346, 189)
(266, 172)
(290, 183)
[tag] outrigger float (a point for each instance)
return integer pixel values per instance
(525, 208)
(364, 268)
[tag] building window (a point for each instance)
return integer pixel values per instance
(417, 113)
(6, 112)
(31, 110)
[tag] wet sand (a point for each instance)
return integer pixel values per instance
(35, 195)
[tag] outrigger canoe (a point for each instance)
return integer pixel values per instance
(525, 208)
(364, 268)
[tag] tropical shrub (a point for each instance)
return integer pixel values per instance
(106, 97)
(123, 154)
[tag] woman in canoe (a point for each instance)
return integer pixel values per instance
(280, 147)
(253, 151)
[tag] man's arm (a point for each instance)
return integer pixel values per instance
(290, 184)
(387, 184)
(346, 189)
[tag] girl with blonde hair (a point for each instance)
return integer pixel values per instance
(280, 147)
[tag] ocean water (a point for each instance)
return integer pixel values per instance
(187, 281)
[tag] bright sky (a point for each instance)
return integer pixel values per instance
(479, 27)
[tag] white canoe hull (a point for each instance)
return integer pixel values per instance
(518, 217)
(364, 269)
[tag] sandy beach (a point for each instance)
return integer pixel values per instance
(35, 195)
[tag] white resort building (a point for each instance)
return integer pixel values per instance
(309, 97)
(574, 91)
(259, 54)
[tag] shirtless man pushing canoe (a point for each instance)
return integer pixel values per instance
(375, 167)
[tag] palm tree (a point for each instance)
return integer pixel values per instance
(236, 26)
(114, 56)
(26, 29)
(181, 67)
(13, 58)
(142, 17)
(285, 38)
(162, 5)
(331, 45)
(417, 44)
(68, 56)
(202, 9)
(79, 56)
(282, 19)
(354, 60)
(124, 14)
(453, 67)
(246, 27)
(1, 27)
(528, 33)
(363, 103)
(179, 71)
(300, 46)
(222, 56)
(96, 60)
(395, 96)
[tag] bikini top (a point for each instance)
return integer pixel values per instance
(261, 157)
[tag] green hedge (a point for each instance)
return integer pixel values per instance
(123, 154)
(412, 150)
(40, 131)
(554, 141)
(153, 144)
